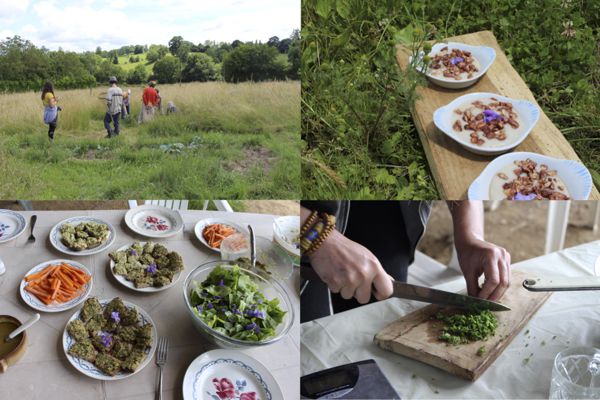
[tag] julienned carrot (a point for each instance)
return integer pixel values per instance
(215, 233)
(60, 283)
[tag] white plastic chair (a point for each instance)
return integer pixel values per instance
(172, 204)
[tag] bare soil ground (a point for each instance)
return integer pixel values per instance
(519, 227)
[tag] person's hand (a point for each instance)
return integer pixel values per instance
(477, 257)
(350, 269)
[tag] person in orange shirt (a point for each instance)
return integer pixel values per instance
(149, 100)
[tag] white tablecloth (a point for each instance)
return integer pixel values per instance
(44, 372)
(570, 316)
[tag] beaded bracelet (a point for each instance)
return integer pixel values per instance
(311, 234)
(310, 221)
(320, 239)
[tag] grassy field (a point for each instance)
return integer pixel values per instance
(227, 141)
(360, 141)
(128, 66)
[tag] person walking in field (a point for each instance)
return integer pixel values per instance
(149, 100)
(171, 109)
(114, 103)
(159, 102)
(126, 108)
(51, 109)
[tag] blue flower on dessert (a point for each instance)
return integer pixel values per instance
(152, 269)
(520, 196)
(115, 316)
(456, 60)
(490, 115)
(106, 339)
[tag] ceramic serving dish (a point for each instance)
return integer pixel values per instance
(575, 176)
(483, 55)
(527, 116)
(12, 224)
(56, 236)
(154, 221)
(13, 351)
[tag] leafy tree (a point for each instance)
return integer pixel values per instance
(174, 44)
(166, 70)
(236, 43)
(284, 45)
(137, 75)
(252, 62)
(199, 67)
(294, 59)
(273, 41)
(152, 56)
(98, 50)
(139, 49)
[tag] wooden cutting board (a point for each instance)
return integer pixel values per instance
(455, 168)
(416, 335)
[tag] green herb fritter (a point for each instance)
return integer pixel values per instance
(83, 236)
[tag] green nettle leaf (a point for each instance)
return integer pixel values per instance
(382, 176)
(343, 8)
(405, 35)
(342, 39)
(323, 7)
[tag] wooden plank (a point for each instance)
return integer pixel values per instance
(416, 335)
(453, 167)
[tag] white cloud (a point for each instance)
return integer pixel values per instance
(10, 10)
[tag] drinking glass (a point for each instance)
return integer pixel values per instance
(576, 374)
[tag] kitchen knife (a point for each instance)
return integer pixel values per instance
(428, 295)
(562, 284)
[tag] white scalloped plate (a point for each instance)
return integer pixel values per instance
(528, 114)
(230, 372)
(55, 236)
(12, 225)
(154, 221)
(484, 55)
(89, 369)
(35, 303)
(575, 176)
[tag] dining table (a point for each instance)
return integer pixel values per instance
(45, 373)
(568, 319)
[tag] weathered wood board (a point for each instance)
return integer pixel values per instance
(416, 335)
(455, 168)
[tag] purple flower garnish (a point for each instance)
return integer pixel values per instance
(456, 60)
(489, 115)
(106, 339)
(115, 316)
(199, 308)
(151, 269)
(259, 301)
(216, 297)
(133, 252)
(221, 283)
(210, 306)
(253, 326)
(520, 196)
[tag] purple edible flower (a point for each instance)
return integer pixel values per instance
(519, 196)
(259, 301)
(456, 60)
(210, 306)
(133, 252)
(199, 308)
(106, 339)
(115, 316)
(151, 269)
(217, 297)
(253, 327)
(221, 283)
(489, 116)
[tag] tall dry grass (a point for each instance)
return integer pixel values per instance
(245, 106)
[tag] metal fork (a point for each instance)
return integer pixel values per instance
(161, 360)
(32, 225)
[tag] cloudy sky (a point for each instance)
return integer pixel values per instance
(84, 24)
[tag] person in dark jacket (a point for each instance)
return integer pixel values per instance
(375, 241)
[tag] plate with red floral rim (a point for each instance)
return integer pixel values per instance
(229, 374)
(154, 221)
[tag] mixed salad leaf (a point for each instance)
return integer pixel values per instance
(230, 302)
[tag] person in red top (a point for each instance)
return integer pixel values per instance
(150, 100)
(150, 97)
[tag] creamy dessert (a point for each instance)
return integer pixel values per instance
(453, 64)
(487, 123)
(527, 180)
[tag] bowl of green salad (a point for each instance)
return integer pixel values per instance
(234, 307)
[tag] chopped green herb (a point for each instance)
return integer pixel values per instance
(470, 327)
(436, 391)
(414, 376)
(526, 344)
(229, 302)
(553, 337)
(481, 351)
(527, 331)
(543, 342)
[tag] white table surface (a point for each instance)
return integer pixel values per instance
(573, 317)
(45, 373)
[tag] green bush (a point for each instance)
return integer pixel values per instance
(252, 62)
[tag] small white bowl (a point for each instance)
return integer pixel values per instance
(528, 113)
(575, 176)
(483, 54)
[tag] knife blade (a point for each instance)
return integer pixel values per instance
(435, 296)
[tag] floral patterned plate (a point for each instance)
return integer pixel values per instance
(121, 279)
(229, 374)
(154, 221)
(12, 224)
(33, 302)
(89, 369)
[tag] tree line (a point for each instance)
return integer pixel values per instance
(23, 66)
